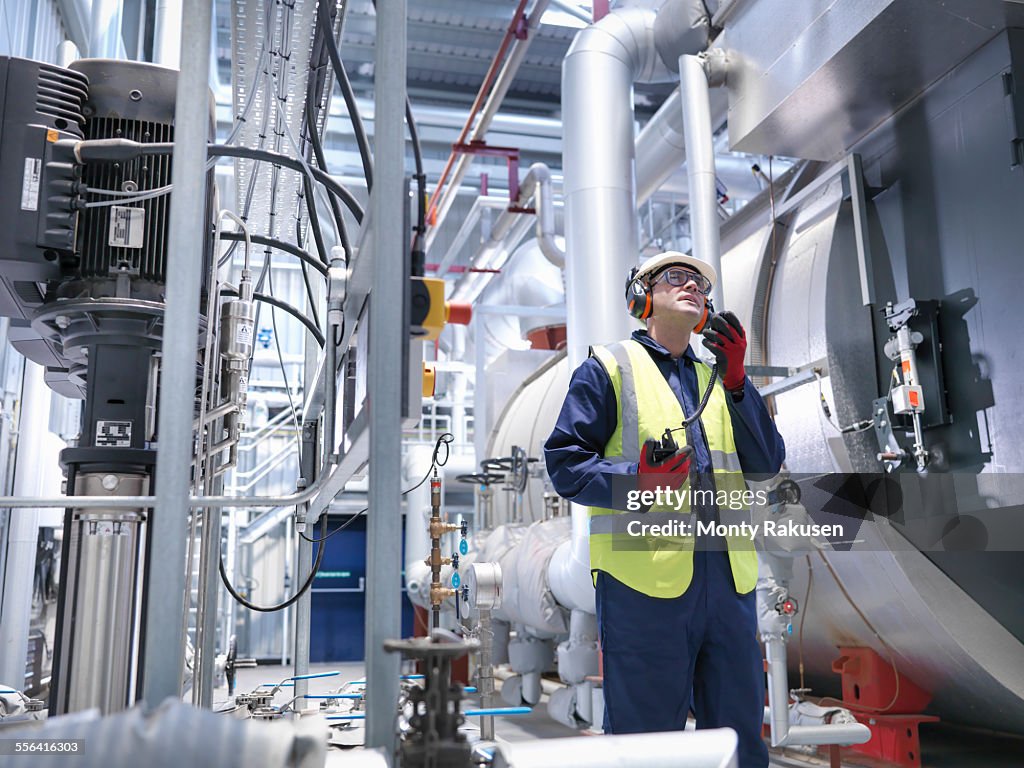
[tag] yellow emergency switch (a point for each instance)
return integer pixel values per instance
(429, 312)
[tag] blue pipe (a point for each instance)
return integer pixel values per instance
(335, 696)
(497, 711)
(345, 717)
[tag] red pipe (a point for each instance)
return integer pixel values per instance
(492, 72)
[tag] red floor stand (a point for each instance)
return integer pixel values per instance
(870, 685)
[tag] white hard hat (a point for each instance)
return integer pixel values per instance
(657, 263)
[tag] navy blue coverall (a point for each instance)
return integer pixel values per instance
(663, 657)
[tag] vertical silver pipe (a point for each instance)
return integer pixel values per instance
(383, 547)
(167, 40)
(105, 30)
(602, 242)
(303, 607)
(164, 640)
(778, 687)
(23, 531)
(700, 166)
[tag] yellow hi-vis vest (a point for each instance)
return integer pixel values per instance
(662, 566)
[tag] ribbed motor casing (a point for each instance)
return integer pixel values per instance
(133, 101)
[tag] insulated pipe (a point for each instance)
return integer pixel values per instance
(167, 40)
(700, 166)
(711, 748)
(468, 229)
(598, 73)
(105, 30)
(508, 230)
(784, 735)
(538, 185)
(23, 530)
(661, 148)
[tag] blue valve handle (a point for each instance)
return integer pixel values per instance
(456, 579)
(464, 547)
(315, 675)
(276, 685)
(469, 689)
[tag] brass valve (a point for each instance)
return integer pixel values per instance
(439, 594)
(439, 528)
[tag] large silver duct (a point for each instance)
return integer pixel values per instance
(598, 74)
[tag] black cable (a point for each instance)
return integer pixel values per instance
(324, 14)
(418, 255)
(280, 245)
(305, 279)
(687, 421)
(313, 96)
(293, 311)
(219, 150)
(291, 600)
(445, 439)
(314, 220)
(129, 149)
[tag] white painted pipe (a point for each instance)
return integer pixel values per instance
(785, 735)
(23, 530)
(712, 748)
(105, 30)
(167, 38)
(700, 166)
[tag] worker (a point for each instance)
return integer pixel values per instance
(676, 615)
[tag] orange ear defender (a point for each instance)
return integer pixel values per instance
(639, 301)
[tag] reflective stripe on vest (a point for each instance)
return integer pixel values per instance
(662, 566)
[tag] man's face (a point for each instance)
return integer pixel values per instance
(681, 300)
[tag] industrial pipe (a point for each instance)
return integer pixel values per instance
(785, 735)
(661, 147)
(443, 198)
(694, 73)
(712, 748)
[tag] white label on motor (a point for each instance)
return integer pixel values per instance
(30, 184)
(244, 334)
(126, 225)
(113, 434)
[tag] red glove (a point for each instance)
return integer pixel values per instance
(728, 342)
(669, 472)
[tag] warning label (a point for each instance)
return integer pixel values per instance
(113, 434)
(244, 334)
(126, 226)
(30, 184)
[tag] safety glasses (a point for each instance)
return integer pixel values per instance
(678, 276)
